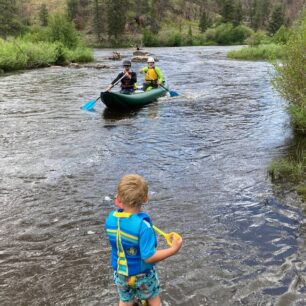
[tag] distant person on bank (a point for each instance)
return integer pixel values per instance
(127, 77)
(153, 75)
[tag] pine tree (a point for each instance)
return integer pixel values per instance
(9, 21)
(238, 14)
(72, 9)
(43, 15)
(116, 17)
(205, 21)
(99, 19)
(228, 11)
(277, 19)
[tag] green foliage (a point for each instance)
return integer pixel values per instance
(261, 52)
(43, 15)
(228, 11)
(149, 39)
(116, 18)
(175, 40)
(281, 36)
(257, 38)
(79, 55)
(72, 9)
(290, 77)
(21, 54)
(61, 30)
(36, 34)
(277, 19)
(9, 19)
(11, 57)
(259, 13)
(205, 21)
(286, 169)
(238, 14)
(227, 34)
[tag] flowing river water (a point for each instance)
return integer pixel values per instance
(205, 155)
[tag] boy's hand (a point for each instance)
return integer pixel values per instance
(176, 241)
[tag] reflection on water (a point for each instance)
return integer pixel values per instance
(114, 115)
(205, 155)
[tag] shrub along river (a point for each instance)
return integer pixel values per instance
(205, 155)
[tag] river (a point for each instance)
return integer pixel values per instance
(205, 155)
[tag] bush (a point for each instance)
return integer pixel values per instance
(290, 79)
(79, 55)
(227, 34)
(241, 33)
(11, 57)
(262, 52)
(257, 38)
(61, 30)
(149, 39)
(175, 40)
(281, 36)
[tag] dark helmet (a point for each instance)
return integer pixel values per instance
(127, 63)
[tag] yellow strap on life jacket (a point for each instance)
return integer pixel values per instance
(122, 266)
(121, 214)
(151, 75)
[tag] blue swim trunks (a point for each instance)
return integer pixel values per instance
(146, 286)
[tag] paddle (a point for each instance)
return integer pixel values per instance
(168, 237)
(171, 92)
(91, 104)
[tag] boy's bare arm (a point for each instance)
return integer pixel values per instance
(165, 253)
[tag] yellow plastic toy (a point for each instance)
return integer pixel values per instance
(168, 237)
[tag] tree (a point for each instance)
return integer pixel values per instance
(72, 9)
(116, 18)
(290, 78)
(43, 15)
(154, 19)
(98, 19)
(277, 19)
(62, 30)
(238, 13)
(9, 21)
(259, 13)
(227, 11)
(205, 21)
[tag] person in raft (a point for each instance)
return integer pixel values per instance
(127, 77)
(133, 244)
(153, 75)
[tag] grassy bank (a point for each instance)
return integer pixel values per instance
(19, 54)
(290, 171)
(56, 44)
(290, 81)
(261, 52)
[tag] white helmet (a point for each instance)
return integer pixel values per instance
(150, 60)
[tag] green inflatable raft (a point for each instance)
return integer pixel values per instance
(116, 100)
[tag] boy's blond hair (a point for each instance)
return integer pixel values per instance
(132, 190)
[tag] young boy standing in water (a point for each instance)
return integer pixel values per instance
(133, 243)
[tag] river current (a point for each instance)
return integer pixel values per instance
(205, 155)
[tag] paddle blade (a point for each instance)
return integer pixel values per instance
(173, 93)
(89, 105)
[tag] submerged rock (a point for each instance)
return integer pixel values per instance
(89, 65)
(139, 58)
(116, 56)
(141, 53)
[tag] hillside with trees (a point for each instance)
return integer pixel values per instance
(158, 22)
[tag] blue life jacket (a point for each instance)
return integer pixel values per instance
(123, 231)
